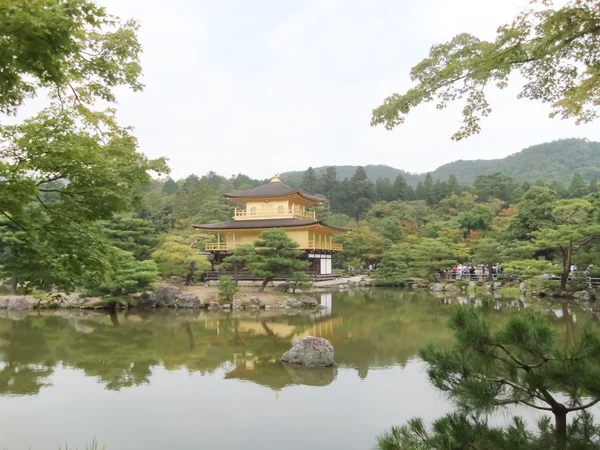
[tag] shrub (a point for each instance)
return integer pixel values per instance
(510, 292)
(227, 287)
(461, 283)
(578, 281)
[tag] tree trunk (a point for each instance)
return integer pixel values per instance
(567, 261)
(490, 277)
(560, 421)
(264, 284)
(189, 277)
(14, 283)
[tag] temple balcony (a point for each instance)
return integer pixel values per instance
(278, 213)
(312, 245)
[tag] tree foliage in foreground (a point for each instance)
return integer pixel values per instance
(70, 165)
(463, 431)
(552, 47)
(522, 363)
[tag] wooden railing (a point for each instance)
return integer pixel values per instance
(316, 245)
(247, 276)
(312, 245)
(216, 246)
(594, 282)
(264, 213)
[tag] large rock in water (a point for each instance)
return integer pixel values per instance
(166, 295)
(310, 351)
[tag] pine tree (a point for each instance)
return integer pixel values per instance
(170, 187)
(275, 254)
(453, 186)
(240, 256)
(132, 234)
(392, 269)
(384, 190)
(428, 257)
(577, 188)
(520, 364)
(309, 181)
(428, 189)
(227, 287)
(361, 193)
(400, 188)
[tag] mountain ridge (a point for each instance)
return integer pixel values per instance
(550, 161)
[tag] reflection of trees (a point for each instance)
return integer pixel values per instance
(24, 359)
(369, 329)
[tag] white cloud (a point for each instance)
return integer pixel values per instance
(266, 86)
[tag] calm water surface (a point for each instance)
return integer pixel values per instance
(189, 379)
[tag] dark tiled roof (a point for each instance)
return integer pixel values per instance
(273, 189)
(264, 223)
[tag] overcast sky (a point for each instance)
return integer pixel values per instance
(266, 86)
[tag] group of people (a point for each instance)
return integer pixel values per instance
(470, 272)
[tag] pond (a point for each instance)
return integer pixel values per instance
(194, 379)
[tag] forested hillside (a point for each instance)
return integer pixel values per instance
(373, 172)
(552, 161)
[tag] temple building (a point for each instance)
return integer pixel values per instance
(275, 205)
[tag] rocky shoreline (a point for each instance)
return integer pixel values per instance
(161, 297)
(524, 288)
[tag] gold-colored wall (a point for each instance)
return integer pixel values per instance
(304, 237)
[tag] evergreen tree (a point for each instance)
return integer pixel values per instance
(309, 181)
(361, 193)
(593, 187)
(275, 253)
(453, 186)
(328, 184)
(428, 189)
(170, 187)
(127, 277)
(428, 257)
(488, 251)
(560, 190)
(420, 192)
(239, 258)
(520, 364)
(577, 188)
(227, 287)
(214, 209)
(572, 229)
(132, 234)
(384, 190)
(179, 255)
(392, 269)
(400, 188)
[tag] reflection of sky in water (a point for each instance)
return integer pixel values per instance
(213, 380)
(182, 410)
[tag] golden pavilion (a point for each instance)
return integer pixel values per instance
(275, 205)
